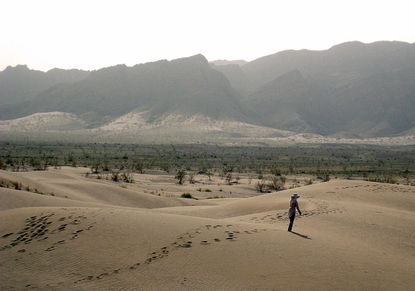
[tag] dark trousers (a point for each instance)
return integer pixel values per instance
(290, 226)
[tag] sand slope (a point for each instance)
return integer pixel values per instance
(71, 184)
(354, 235)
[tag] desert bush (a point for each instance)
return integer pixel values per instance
(272, 183)
(383, 179)
(187, 195)
(94, 168)
(115, 176)
(192, 178)
(228, 178)
(180, 176)
(276, 171)
(277, 183)
(106, 167)
(139, 167)
(202, 171)
(225, 170)
(326, 178)
(165, 167)
(17, 185)
(309, 181)
(215, 197)
(261, 186)
(209, 174)
(127, 177)
(4, 183)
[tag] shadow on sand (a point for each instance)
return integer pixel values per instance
(301, 235)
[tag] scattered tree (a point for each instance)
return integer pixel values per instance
(180, 176)
(228, 178)
(192, 178)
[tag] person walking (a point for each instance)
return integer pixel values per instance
(291, 210)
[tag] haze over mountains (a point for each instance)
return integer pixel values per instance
(352, 89)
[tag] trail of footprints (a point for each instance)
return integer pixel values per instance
(43, 228)
(322, 208)
(187, 240)
(380, 187)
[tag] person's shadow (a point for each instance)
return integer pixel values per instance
(301, 235)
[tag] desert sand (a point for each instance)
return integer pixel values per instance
(89, 234)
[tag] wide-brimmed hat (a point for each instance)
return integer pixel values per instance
(295, 195)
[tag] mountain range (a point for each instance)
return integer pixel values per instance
(350, 90)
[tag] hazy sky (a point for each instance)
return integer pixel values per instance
(91, 34)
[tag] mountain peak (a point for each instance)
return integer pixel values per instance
(17, 68)
(357, 45)
(199, 59)
(348, 44)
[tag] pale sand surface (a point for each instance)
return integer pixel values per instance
(95, 235)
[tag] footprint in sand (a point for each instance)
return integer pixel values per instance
(186, 245)
(62, 227)
(231, 236)
(100, 276)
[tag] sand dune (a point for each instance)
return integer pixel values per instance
(10, 198)
(353, 235)
(70, 183)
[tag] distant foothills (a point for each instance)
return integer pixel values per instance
(352, 90)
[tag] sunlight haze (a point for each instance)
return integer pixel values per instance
(95, 34)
